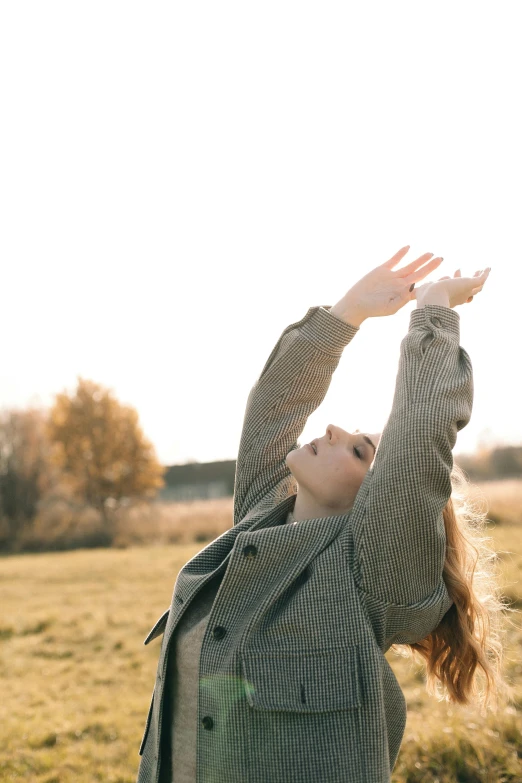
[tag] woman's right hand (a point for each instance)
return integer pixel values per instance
(458, 289)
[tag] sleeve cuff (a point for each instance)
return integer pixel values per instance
(435, 317)
(327, 332)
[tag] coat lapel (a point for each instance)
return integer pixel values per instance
(214, 557)
(289, 548)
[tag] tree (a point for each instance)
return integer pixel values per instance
(25, 470)
(101, 449)
(506, 462)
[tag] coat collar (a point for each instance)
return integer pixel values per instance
(290, 547)
(287, 550)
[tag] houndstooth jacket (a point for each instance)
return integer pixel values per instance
(294, 683)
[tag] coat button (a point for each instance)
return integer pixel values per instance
(219, 632)
(436, 322)
(207, 722)
(250, 550)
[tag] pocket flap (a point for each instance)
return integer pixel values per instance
(317, 681)
(158, 628)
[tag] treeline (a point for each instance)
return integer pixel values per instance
(66, 472)
(492, 464)
(82, 474)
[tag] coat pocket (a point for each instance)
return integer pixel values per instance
(147, 726)
(318, 681)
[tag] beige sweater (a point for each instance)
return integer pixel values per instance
(179, 731)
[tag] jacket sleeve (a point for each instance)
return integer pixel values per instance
(292, 384)
(397, 525)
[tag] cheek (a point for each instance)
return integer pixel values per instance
(343, 468)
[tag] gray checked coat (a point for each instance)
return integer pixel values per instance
(298, 689)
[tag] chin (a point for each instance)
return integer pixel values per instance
(289, 460)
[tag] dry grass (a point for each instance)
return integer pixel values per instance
(501, 499)
(204, 520)
(173, 523)
(62, 524)
(76, 679)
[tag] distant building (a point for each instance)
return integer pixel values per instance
(198, 481)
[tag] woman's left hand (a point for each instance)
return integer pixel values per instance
(384, 291)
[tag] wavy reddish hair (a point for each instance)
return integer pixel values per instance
(469, 639)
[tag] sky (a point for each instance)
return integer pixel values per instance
(180, 182)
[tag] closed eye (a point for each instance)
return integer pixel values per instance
(357, 452)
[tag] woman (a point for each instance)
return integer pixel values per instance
(272, 666)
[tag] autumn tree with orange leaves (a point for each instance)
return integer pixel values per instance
(99, 446)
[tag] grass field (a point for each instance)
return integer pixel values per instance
(76, 679)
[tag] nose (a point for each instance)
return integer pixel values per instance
(332, 433)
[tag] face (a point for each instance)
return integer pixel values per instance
(331, 478)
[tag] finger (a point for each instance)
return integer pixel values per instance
(479, 273)
(483, 276)
(481, 286)
(478, 277)
(399, 255)
(421, 273)
(407, 271)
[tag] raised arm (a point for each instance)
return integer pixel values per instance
(292, 384)
(398, 526)
(297, 374)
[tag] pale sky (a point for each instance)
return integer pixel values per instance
(181, 181)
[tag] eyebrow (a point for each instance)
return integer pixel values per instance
(368, 440)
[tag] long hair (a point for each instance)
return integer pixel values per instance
(469, 639)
